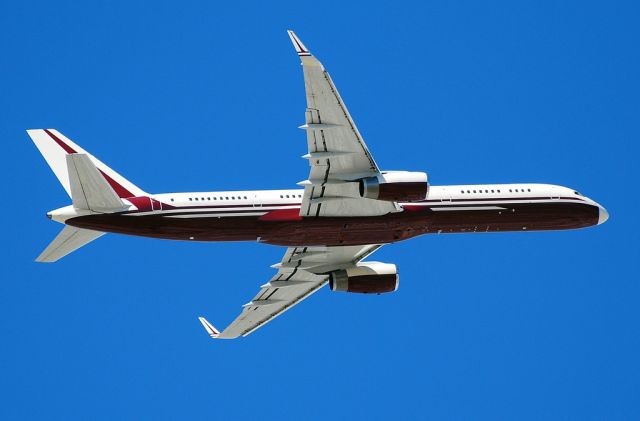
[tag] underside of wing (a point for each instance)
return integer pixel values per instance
(337, 154)
(285, 290)
(302, 271)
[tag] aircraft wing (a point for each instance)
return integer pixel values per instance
(302, 271)
(337, 154)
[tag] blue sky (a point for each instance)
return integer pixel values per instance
(208, 95)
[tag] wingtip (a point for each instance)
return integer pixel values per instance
(211, 330)
(297, 44)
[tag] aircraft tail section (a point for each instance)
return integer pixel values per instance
(68, 240)
(89, 189)
(92, 186)
(55, 148)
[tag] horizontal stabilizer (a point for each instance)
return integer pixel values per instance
(89, 189)
(69, 239)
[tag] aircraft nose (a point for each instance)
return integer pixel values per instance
(603, 215)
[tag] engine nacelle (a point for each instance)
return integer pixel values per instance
(365, 278)
(396, 186)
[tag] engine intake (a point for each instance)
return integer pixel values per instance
(396, 186)
(365, 278)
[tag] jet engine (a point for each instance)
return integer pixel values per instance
(396, 186)
(365, 278)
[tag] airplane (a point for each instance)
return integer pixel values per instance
(346, 209)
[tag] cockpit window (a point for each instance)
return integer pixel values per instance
(578, 193)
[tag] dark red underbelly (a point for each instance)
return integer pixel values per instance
(348, 231)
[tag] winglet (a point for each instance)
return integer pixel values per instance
(212, 331)
(299, 46)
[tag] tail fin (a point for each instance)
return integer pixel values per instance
(69, 239)
(55, 147)
(89, 191)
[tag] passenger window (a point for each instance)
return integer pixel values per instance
(281, 196)
(172, 199)
(529, 189)
(474, 191)
(226, 198)
(492, 191)
(190, 199)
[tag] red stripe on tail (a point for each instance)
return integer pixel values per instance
(117, 187)
(67, 148)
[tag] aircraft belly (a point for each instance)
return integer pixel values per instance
(333, 231)
(518, 217)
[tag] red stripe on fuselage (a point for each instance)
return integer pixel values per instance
(282, 215)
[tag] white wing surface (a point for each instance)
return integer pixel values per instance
(68, 240)
(302, 271)
(337, 153)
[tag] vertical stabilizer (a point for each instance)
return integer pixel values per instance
(55, 147)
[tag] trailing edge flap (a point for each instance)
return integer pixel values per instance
(89, 189)
(69, 239)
